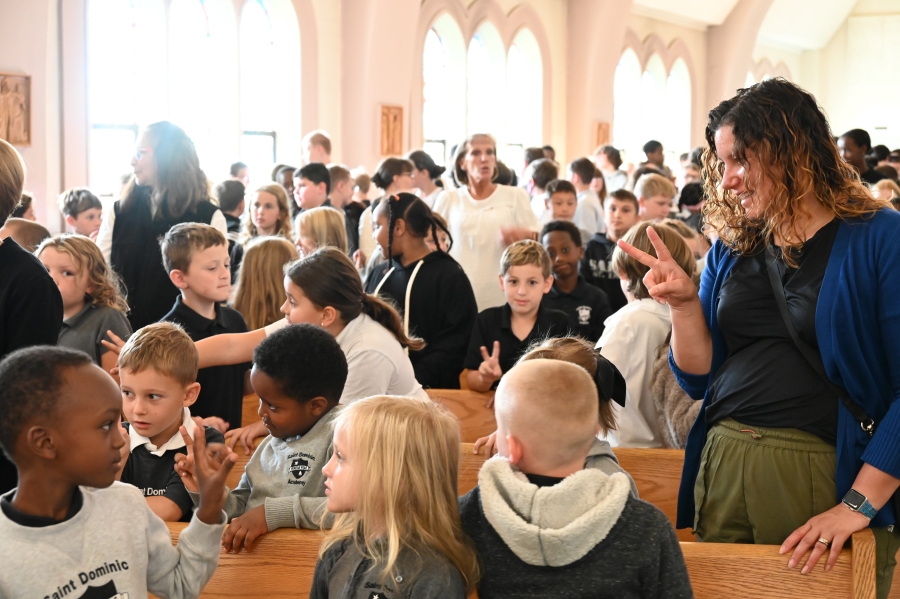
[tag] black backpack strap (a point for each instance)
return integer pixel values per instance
(812, 356)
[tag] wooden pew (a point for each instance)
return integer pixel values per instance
(657, 474)
(282, 565)
(475, 418)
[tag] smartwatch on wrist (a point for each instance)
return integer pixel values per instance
(857, 502)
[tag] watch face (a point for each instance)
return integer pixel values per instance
(854, 499)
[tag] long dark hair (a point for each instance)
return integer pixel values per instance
(328, 278)
(418, 217)
(181, 184)
(784, 127)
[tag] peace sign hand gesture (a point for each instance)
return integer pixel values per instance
(666, 281)
(212, 464)
(490, 369)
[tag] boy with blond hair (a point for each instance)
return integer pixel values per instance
(70, 530)
(542, 524)
(503, 333)
(196, 257)
(158, 371)
(655, 194)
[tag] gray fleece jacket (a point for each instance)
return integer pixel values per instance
(585, 537)
(344, 573)
(601, 457)
(286, 476)
(114, 547)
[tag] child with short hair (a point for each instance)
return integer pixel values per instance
(589, 215)
(283, 485)
(196, 257)
(586, 306)
(312, 184)
(230, 196)
(27, 233)
(525, 276)
(429, 288)
(91, 293)
(655, 194)
(562, 204)
(393, 480)
(541, 172)
(634, 333)
(542, 523)
(158, 372)
(83, 211)
(260, 280)
(341, 198)
(69, 528)
(620, 213)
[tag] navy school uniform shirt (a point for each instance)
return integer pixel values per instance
(495, 324)
(155, 476)
(221, 387)
(586, 306)
(596, 271)
(442, 312)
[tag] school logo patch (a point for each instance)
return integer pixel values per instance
(107, 591)
(584, 315)
(299, 468)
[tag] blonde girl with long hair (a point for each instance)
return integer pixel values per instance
(92, 295)
(268, 213)
(260, 280)
(321, 227)
(393, 481)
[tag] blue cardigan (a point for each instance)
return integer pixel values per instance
(858, 330)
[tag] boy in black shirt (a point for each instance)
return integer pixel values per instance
(196, 257)
(511, 328)
(620, 211)
(157, 368)
(586, 306)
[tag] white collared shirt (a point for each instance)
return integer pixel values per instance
(174, 442)
(630, 341)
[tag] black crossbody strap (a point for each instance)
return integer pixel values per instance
(812, 356)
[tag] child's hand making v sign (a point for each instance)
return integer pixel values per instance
(204, 471)
(490, 370)
(244, 529)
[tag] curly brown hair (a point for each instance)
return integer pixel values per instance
(106, 289)
(781, 125)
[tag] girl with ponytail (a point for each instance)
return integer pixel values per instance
(429, 288)
(324, 289)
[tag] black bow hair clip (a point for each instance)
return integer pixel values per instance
(610, 382)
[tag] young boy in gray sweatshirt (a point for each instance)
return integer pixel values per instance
(299, 374)
(70, 530)
(542, 523)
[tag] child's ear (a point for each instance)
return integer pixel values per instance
(399, 227)
(190, 394)
(177, 278)
(317, 406)
(515, 448)
(580, 252)
(502, 286)
(548, 284)
(39, 442)
(70, 221)
(329, 315)
(547, 203)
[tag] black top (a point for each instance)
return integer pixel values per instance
(23, 519)
(871, 176)
(31, 313)
(352, 213)
(586, 306)
(221, 387)
(442, 312)
(639, 558)
(136, 256)
(155, 476)
(494, 324)
(766, 381)
(234, 231)
(596, 271)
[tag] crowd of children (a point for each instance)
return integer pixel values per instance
(164, 308)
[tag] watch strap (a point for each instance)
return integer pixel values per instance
(865, 508)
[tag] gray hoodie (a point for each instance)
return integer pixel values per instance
(113, 547)
(584, 537)
(602, 458)
(286, 476)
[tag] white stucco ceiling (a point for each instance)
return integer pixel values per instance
(803, 24)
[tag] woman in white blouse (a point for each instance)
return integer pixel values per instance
(484, 217)
(324, 289)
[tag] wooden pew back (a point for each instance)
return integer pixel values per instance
(282, 564)
(475, 418)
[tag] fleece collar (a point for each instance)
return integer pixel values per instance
(551, 526)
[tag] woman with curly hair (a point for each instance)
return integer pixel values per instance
(791, 341)
(167, 188)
